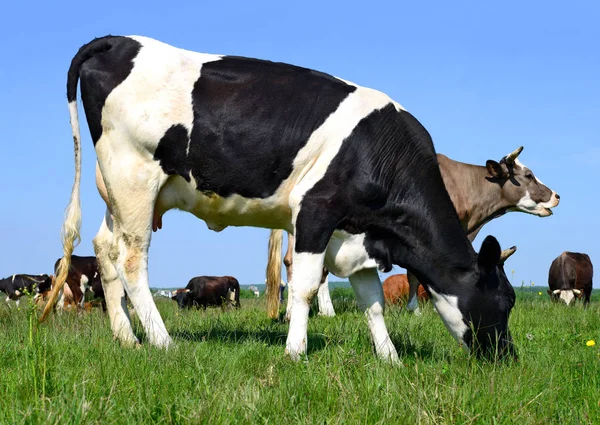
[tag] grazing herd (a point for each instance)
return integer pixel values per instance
(346, 171)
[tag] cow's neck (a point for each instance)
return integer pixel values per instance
(427, 237)
(476, 199)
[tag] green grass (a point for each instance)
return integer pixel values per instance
(230, 368)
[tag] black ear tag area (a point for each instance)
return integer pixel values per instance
(489, 255)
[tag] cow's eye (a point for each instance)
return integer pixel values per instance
(529, 176)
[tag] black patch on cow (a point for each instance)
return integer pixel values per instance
(385, 182)
(171, 151)
(251, 117)
(102, 65)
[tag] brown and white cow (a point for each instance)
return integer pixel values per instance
(570, 278)
(83, 276)
(479, 194)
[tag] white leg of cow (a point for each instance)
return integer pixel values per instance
(133, 199)
(288, 307)
(413, 304)
(369, 294)
(116, 304)
(308, 269)
(325, 304)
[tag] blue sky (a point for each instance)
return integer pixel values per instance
(483, 78)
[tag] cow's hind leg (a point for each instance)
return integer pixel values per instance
(114, 295)
(369, 294)
(413, 304)
(324, 298)
(133, 193)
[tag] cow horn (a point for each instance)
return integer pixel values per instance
(186, 290)
(556, 291)
(577, 291)
(510, 158)
(507, 253)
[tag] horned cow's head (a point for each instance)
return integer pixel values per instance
(520, 187)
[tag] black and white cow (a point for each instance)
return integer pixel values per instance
(247, 142)
(479, 195)
(17, 285)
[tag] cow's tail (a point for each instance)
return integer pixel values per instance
(237, 294)
(274, 273)
(70, 233)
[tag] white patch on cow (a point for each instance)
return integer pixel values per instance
(231, 295)
(567, 295)
(346, 254)
(7, 299)
(447, 308)
(83, 286)
(18, 293)
(13, 278)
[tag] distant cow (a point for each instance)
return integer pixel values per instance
(396, 289)
(204, 291)
(570, 277)
(17, 285)
(83, 275)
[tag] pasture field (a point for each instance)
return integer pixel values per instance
(230, 368)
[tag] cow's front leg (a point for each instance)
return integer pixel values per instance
(369, 294)
(305, 283)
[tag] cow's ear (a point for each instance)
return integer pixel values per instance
(495, 169)
(549, 292)
(489, 255)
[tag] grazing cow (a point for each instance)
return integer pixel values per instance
(396, 289)
(254, 290)
(17, 285)
(247, 142)
(479, 194)
(83, 275)
(204, 291)
(570, 277)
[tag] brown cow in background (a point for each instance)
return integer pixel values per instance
(570, 277)
(396, 289)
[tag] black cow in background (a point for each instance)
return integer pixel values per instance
(570, 277)
(17, 285)
(204, 291)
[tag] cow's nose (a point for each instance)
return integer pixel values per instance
(557, 196)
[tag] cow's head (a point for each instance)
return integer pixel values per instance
(564, 295)
(182, 296)
(520, 188)
(478, 316)
(46, 284)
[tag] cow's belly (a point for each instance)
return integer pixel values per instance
(346, 254)
(219, 212)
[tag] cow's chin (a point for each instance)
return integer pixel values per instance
(539, 210)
